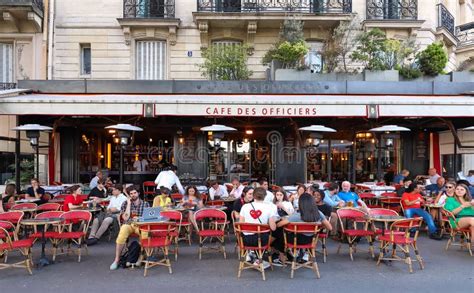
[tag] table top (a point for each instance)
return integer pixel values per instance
(142, 223)
(433, 205)
(27, 200)
(92, 210)
(43, 221)
(386, 218)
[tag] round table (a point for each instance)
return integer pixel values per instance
(438, 208)
(385, 219)
(43, 261)
(29, 200)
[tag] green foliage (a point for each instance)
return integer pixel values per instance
(370, 49)
(432, 60)
(395, 52)
(408, 72)
(225, 63)
(290, 48)
(27, 171)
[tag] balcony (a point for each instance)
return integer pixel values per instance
(302, 6)
(24, 16)
(445, 25)
(229, 18)
(396, 14)
(149, 19)
(465, 34)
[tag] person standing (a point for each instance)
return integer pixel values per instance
(141, 164)
(168, 178)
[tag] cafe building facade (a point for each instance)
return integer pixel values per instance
(267, 117)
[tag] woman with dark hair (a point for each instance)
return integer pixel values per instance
(74, 200)
(245, 197)
(192, 198)
(462, 206)
(8, 199)
(284, 207)
(300, 189)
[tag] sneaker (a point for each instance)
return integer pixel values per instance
(276, 261)
(306, 257)
(114, 266)
(289, 256)
(266, 264)
(92, 241)
(436, 236)
(250, 257)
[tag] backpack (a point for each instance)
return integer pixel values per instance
(131, 255)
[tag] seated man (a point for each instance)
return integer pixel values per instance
(36, 192)
(237, 188)
(406, 183)
(217, 191)
(398, 179)
(435, 189)
(411, 201)
(330, 196)
(351, 198)
(113, 209)
(134, 206)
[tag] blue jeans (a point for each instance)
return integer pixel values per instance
(410, 213)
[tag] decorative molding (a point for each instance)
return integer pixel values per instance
(203, 27)
(126, 34)
(7, 16)
(251, 32)
(36, 20)
(172, 35)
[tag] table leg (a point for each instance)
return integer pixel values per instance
(43, 261)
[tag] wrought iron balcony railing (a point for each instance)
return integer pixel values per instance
(7, 86)
(298, 6)
(465, 34)
(148, 8)
(392, 9)
(445, 19)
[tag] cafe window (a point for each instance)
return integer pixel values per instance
(150, 60)
(86, 59)
(314, 59)
(6, 62)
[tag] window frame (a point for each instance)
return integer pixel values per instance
(82, 48)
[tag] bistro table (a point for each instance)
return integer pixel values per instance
(438, 208)
(385, 219)
(43, 261)
(28, 200)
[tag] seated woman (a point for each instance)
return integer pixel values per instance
(163, 199)
(462, 206)
(308, 212)
(246, 197)
(73, 201)
(294, 198)
(8, 199)
(192, 200)
(258, 212)
(284, 207)
(440, 199)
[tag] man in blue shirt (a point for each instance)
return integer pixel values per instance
(398, 179)
(348, 196)
(330, 196)
(438, 187)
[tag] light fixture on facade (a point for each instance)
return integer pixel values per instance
(363, 136)
(218, 131)
(249, 131)
(111, 131)
(316, 133)
(181, 140)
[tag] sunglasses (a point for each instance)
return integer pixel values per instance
(450, 187)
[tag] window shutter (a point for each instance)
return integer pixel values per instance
(6, 62)
(150, 60)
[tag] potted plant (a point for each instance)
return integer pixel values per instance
(225, 63)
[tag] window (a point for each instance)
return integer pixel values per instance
(6, 62)
(314, 59)
(150, 60)
(86, 59)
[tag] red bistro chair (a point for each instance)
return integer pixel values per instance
(293, 230)
(208, 227)
(176, 197)
(47, 234)
(149, 190)
(357, 217)
(175, 217)
(259, 249)
(13, 217)
(389, 194)
(369, 199)
(402, 242)
(159, 236)
(8, 244)
(68, 231)
(464, 234)
(46, 207)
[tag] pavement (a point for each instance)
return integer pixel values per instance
(449, 271)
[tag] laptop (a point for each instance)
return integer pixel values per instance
(151, 215)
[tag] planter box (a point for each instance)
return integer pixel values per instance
(306, 75)
(440, 78)
(381, 75)
(462, 76)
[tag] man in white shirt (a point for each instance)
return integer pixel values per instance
(217, 190)
(237, 188)
(140, 165)
(113, 209)
(98, 177)
(433, 175)
(264, 184)
(168, 178)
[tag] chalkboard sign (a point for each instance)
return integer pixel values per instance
(421, 147)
